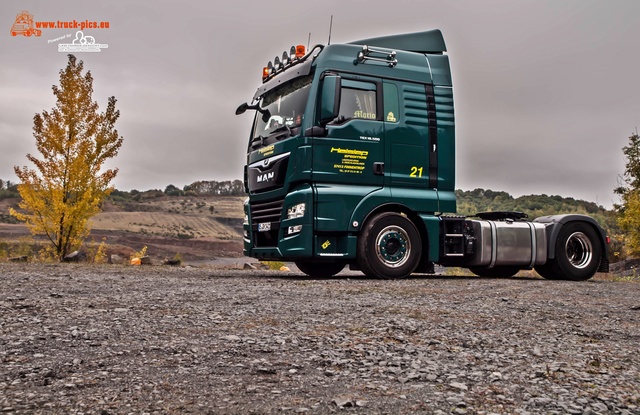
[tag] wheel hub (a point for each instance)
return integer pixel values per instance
(393, 246)
(579, 250)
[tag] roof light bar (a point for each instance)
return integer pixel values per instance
(296, 53)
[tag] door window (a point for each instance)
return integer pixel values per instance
(358, 100)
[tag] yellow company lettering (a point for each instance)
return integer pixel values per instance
(267, 149)
(351, 152)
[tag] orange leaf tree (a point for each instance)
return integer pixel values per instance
(629, 191)
(68, 184)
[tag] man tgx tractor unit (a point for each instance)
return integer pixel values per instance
(351, 162)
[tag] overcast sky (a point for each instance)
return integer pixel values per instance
(546, 92)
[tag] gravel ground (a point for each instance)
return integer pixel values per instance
(116, 340)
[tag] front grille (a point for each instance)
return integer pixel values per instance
(266, 212)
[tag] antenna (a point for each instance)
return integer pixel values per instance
(309, 41)
(330, 27)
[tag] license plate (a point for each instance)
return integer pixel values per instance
(264, 227)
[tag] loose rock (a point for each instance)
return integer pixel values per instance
(108, 339)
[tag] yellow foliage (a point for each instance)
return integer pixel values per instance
(97, 253)
(274, 265)
(140, 253)
(629, 222)
(47, 254)
(68, 185)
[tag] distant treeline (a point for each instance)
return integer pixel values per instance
(199, 188)
(8, 189)
(481, 200)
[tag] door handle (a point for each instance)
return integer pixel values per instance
(378, 168)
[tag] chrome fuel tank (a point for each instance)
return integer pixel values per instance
(509, 243)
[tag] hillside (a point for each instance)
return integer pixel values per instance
(175, 217)
(195, 227)
(481, 200)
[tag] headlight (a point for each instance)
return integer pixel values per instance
(294, 229)
(296, 211)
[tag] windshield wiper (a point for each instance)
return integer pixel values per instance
(284, 127)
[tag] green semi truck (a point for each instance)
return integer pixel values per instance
(351, 161)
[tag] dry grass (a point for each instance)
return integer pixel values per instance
(164, 224)
(174, 217)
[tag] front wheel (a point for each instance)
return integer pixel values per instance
(389, 246)
(320, 269)
(577, 254)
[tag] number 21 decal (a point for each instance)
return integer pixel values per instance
(416, 171)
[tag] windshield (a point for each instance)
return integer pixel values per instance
(285, 107)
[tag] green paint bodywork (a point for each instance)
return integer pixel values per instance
(334, 174)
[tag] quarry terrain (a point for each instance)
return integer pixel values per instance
(118, 339)
(194, 228)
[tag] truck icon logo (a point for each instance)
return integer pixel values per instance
(24, 25)
(265, 177)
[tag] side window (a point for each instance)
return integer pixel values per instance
(358, 100)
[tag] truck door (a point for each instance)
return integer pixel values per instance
(410, 145)
(353, 150)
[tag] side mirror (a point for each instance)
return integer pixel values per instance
(242, 108)
(330, 98)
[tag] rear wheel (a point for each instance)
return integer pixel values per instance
(497, 272)
(577, 254)
(320, 269)
(389, 246)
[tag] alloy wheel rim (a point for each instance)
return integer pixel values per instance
(579, 250)
(393, 246)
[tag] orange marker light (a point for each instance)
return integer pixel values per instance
(300, 51)
(265, 73)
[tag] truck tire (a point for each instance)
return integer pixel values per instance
(578, 254)
(320, 269)
(497, 272)
(389, 246)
